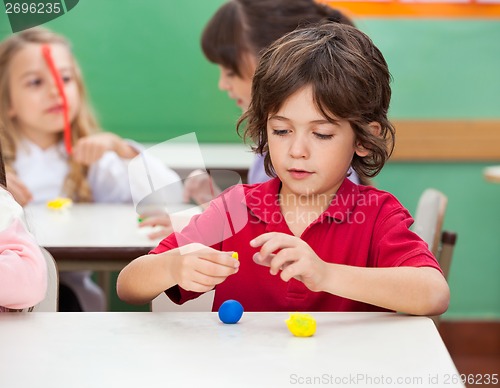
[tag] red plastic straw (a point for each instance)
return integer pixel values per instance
(60, 87)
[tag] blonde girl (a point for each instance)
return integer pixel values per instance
(43, 97)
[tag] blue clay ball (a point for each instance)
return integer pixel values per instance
(230, 311)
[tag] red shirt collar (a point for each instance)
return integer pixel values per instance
(262, 201)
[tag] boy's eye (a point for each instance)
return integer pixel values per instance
(280, 132)
(322, 136)
(67, 79)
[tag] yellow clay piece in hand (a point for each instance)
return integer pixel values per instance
(301, 325)
(235, 255)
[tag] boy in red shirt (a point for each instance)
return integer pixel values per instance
(309, 240)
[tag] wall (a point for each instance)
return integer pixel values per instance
(474, 213)
(149, 80)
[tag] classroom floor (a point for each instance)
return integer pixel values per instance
(474, 348)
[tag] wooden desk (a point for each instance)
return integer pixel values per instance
(492, 174)
(196, 350)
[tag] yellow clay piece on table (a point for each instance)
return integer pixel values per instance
(59, 203)
(301, 325)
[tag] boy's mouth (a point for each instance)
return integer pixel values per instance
(299, 174)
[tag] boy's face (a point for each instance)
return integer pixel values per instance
(310, 154)
(36, 105)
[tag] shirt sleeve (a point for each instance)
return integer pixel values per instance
(226, 215)
(395, 245)
(23, 270)
(201, 229)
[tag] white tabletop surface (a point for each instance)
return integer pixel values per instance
(95, 225)
(193, 156)
(197, 350)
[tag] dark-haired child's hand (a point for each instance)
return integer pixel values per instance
(200, 188)
(161, 224)
(293, 256)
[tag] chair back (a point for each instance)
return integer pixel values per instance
(429, 218)
(203, 303)
(444, 257)
(50, 303)
(448, 241)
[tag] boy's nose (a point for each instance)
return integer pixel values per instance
(299, 148)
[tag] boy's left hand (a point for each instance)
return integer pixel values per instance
(294, 257)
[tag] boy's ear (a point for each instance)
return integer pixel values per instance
(375, 129)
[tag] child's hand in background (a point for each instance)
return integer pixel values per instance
(294, 257)
(161, 222)
(18, 189)
(90, 149)
(202, 268)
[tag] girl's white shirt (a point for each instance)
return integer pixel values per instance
(43, 171)
(10, 210)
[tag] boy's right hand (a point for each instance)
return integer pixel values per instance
(18, 189)
(200, 268)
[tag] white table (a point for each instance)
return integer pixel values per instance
(196, 350)
(228, 163)
(96, 237)
(192, 155)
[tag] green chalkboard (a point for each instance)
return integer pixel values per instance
(144, 68)
(148, 79)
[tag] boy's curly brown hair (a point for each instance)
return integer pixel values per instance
(349, 78)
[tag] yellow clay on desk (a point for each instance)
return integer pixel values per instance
(235, 255)
(59, 203)
(301, 325)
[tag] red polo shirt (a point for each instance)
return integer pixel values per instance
(362, 227)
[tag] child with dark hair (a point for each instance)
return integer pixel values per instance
(233, 39)
(320, 97)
